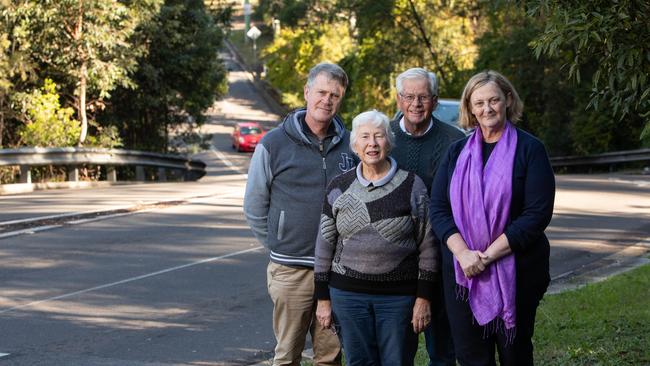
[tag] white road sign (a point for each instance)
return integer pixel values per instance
(253, 33)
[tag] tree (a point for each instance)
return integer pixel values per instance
(178, 77)
(554, 105)
(46, 123)
(83, 45)
(612, 37)
(373, 40)
(15, 68)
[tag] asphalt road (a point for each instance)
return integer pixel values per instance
(184, 283)
(175, 284)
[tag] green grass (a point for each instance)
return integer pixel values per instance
(606, 323)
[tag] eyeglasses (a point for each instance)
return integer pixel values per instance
(410, 98)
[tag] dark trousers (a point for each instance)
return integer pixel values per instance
(474, 347)
(437, 336)
(375, 330)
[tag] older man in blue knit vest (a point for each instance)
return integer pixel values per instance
(421, 141)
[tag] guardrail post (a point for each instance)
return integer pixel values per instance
(73, 173)
(162, 174)
(139, 173)
(111, 174)
(25, 174)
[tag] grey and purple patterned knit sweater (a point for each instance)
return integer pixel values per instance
(375, 237)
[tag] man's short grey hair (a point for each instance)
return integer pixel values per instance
(417, 73)
(375, 119)
(333, 71)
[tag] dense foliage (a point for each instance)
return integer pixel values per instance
(575, 103)
(122, 70)
(374, 41)
(610, 40)
(47, 124)
(178, 78)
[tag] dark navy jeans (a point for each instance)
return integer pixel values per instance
(374, 329)
(437, 336)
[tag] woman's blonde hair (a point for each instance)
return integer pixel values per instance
(467, 120)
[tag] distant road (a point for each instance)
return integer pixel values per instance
(598, 220)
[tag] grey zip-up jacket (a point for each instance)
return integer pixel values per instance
(287, 179)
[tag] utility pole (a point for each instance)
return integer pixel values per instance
(247, 19)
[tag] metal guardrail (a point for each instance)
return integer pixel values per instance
(73, 157)
(605, 158)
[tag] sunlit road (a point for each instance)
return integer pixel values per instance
(185, 284)
(182, 284)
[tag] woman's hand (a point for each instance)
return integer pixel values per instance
(421, 314)
(324, 313)
(471, 262)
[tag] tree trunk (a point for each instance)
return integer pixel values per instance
(2, 127)
(83, 73)
(82, 104)
(425, 38)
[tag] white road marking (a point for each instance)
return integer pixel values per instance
(4, 354)
(31, 230)
(132, 279)
(59, 216)
(227, 162)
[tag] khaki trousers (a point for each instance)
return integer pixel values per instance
(294, 314)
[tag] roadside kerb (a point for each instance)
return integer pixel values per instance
(27, 226)
(622, 261)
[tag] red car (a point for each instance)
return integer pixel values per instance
(246, 135)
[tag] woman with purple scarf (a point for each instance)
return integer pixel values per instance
(491, 201)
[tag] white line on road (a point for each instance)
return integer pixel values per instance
(28, 231)
(227, 162)
(132, 279)
(60, 216)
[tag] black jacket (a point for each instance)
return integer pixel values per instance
(531, 209)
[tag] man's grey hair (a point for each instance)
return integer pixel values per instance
(333, 71)
(417, 73)
(375, 119)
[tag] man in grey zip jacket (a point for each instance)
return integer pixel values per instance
(288, 175)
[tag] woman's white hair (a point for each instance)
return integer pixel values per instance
(375, 119)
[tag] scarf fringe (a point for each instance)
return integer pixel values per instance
(493, 327)
(498, 326)
(462, 293)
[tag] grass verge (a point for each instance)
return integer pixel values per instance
(606, 323)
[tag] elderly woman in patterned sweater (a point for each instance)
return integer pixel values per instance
(376, 261)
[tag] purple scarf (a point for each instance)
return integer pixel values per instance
(480, 203)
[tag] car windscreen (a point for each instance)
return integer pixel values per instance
(250, 131)
(447, 113)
